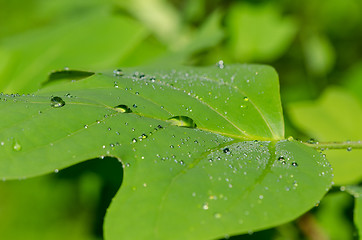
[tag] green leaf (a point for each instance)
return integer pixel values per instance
(259, 32)
(336, 116)
(356, 191)
(331, 216)
(202, 148)
(97, 34)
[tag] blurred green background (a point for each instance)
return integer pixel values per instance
(315, 46)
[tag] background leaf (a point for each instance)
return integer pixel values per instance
(356, 191)
(336, 116)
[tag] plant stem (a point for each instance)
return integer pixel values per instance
(348, 145)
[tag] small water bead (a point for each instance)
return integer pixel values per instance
(220, 64)
(182, 121)
(226, 150)
(134, 105)
(85, 126)
(294, 164)
(246, 99)
(138, 75)
(349, 149)
(134, 140)
(205, 206)
(282, 160)
(217, 215)
(56, 170)
(16, 146)
(122, 108)
(57, 102)
(118, 72)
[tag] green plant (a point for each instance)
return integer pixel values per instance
(203, 149)
(312, 45)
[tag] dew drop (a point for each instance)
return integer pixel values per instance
(220, 64)
(123, 109)
(118, 72)
(57, 102)
(294, 164)
(282, 160)
(182, 121)
(135, 105)
(349, 149)
(205, 206)
(134, 140)
(56, 170)
(217, 215)
(246, 99)
(226, 150)
(16, 146)
(85, 126)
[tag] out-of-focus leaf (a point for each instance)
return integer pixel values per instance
(336, 116)
(356, 191)
(45, 208)
(319, 54)
(353, 80)
(258, 33)
(94, 40)
(332, 218)
(159, 16)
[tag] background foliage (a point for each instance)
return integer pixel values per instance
(314, 45)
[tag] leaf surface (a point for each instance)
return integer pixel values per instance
(232, 174)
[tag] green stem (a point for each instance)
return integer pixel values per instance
(348, 145)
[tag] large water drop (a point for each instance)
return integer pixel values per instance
(123, 109)
(182, 121)
(57, 102)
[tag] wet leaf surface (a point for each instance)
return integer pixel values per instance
(203, 148)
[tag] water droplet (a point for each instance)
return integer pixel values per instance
(118, 72)
(182, 121)
(134, 105)
(226, 150)
(282, 160)
(217, 215)
(220, 64)
(205, 206)
(134, 140)
(16, 146)
(85, 126)
(261, 197)
(56, 170)
(349, 149)
(246, 99)
(57, 102)
(123, 109)
(295, 164)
